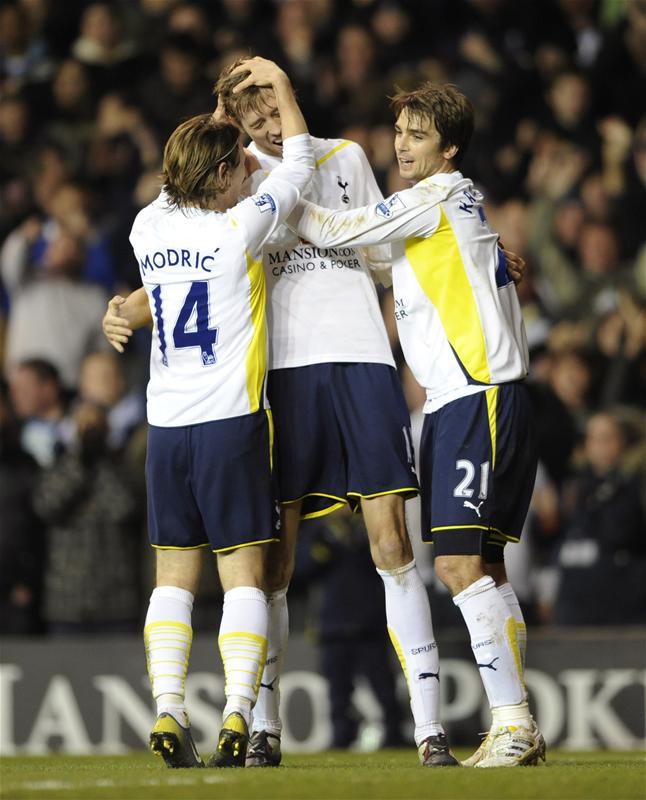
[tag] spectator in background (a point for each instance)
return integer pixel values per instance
(571, 379)
(72, 208)
(73, 107)
(580, 19)
(555, 223)
(621, 343)
(122, 147)
(70, 211)
(14, 136)
(21, 539)
(242, 25)
(179, 89)
(602, 560)
(93, 536)
(595, 201)
(619, 72)
(394, 31)
(56, 316)
(103, 47)
(103, 382)
(624, 178)
(16, 156)
(23, 57)
(48, 171)
(568, 113)
(191, 19)
(556, 425)
(601, 275)
(360, 90)
(38, 402)
(295, 30)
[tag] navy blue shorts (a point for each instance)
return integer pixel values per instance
(477, 469)
(342, 434)
(211, 485)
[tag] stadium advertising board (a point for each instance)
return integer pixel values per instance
(92, 696)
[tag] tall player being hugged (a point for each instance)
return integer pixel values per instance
(209, 462)
(463, 338)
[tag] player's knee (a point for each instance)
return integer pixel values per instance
(391, 549)
(447, 570)
(278, 572)
(181, 568)
(458, 572)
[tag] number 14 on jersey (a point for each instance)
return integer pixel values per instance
(199, 334)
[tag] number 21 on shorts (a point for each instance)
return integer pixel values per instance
(463, 488)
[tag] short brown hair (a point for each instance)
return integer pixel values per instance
(446, 107)
(191, 156)
(237, 105)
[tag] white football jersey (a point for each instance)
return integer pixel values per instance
(323, 304)
(203, 273)
(457, 311)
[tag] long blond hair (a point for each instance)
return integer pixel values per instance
(191, 158)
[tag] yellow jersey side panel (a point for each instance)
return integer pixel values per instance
(440, 271)
(257, 350)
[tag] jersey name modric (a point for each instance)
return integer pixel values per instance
(189, 259)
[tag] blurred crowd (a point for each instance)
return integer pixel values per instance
(89, 92)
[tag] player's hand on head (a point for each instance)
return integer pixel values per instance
(515, 266)
(260, 72)
(220, 114)
(116, 328)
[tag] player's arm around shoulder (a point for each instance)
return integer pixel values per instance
(410, 213)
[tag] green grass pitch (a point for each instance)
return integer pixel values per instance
(384, 775)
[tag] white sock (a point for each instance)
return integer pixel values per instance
(408, 615)
(167, 639)
(266, 713)
(493, 640)
(243, 647)
(511, 716)
(509, 596)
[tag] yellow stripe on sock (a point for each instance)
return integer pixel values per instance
(229, 644)
(158, 637)
(241, 635)
(512, 641)
(240, 651)
(166, 675)
(521, 638)
(151, 626)
(400, 654)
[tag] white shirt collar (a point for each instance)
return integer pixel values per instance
(445, 178)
